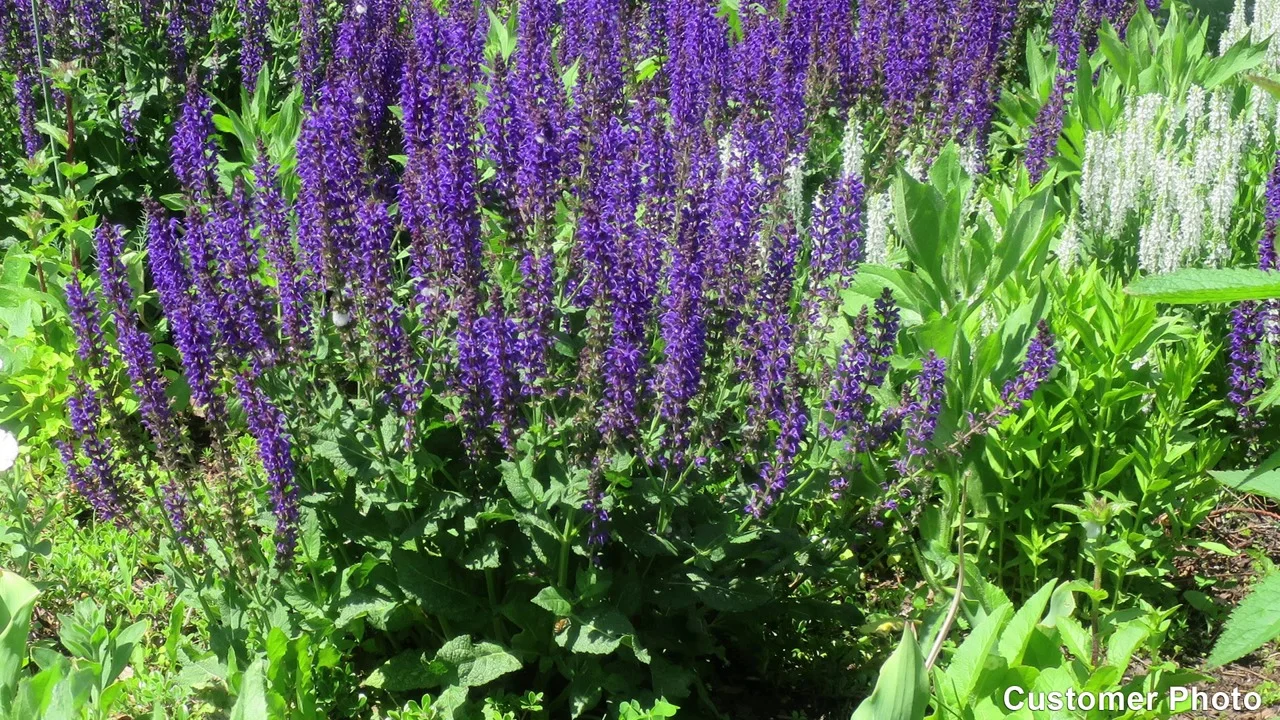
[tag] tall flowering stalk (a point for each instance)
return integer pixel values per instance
(193, 338)
(19, 42)
(310, 48)
(147, 380)
(921, 409)
(247, 328)
(683, 317)
(1065, 36)
(98, 483)
(1040, 360)
(1246, 382)
(629, 304)
(394, 362)
(292, 287)
(268, 426)
(773, 333)
(255, 18)
(863, 366)
(970, 75)
(332, 177)
(194, 155)
(1271, 212)
(135, 344)
(776, 472)
(91, 28)
(86, 322)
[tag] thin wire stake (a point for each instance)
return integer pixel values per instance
(44, 88)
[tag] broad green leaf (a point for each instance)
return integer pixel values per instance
(433, 583)
(919, 218)
(487, 662)
(596, 633)
(1251, 625)
(525, 489)
(965, 668)
(1271, 86)
(902, 688)
(1242, 56)
(1191, 286)
(410, 670)
(1013, 641)
(550, 599)
(1262, 480)
(17, 599)
(252, 702)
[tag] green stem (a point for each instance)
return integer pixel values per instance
(562, 576)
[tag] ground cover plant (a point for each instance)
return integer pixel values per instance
(596, 358)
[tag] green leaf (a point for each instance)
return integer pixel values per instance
(411, 670)
(1271, 86)
(1262, 480)
(902, 689)
(1251, 625)
(17, 599)
(1191, 286)
(252, 702)
(480, 664)
(596, 633)
(1013, 642)
(919, 219)
(432, 582)
(1242, 56)
(962, 673)
(525, 489)
(550, 599)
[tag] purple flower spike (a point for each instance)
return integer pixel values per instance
(267, 425)
(195, 157)
(922, 407)
(394, 362)
(1246, 381)
(135, 344)
(244, 325)
(193, 338)
(776, 473)
(101, 485)
(255, 18)
(86, 322)
(863, 366)
(1040, 361)
(1267, 244)
(291, 286)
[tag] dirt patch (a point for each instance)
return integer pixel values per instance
(1251, 527)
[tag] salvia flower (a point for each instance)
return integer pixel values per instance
(1246, 382)
(1041, 358)
(921, 409)
(1267, 244)
(255, 17)
(135, 344)
(191, 335)
(310, 48)
(246, 323)
(86, 322)
(291, 286)
(90, 18)
(394, 361)
(331, 172)
(267, 425)
(99, 482)
(863, 366)
(776, 473)
(194, 155)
